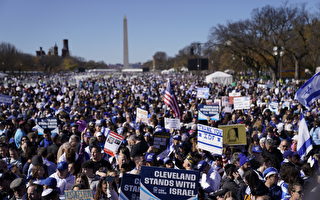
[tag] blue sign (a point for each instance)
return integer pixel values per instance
(50, 123)
(205, 111)
(5, 99)
(164, 183)
(130, 187)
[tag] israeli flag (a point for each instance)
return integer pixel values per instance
(304, 145)
(310, 91)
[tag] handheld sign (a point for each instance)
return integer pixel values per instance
(5, 99)
(112, 143)
(78, 195)
(164, 183)
(160, 141)
(241, 103)
(130, 187)
(203, 93)
(50, 123)
(142, 116)
(210, 139)
(234, 134)
(208, 111)
(172, 123)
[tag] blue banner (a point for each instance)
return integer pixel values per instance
(50, 123)
(5, 99)
(164, 183)
(130, 187)
(205, 111)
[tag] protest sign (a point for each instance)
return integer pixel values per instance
(208, 111)
(164, 183)
(78, 195)
(172, 123)
(241, 103)
(5, 99)
(203, 93)
(142, 116)
(112, 143)
(210, 139)
(50, 123)
(160, 141)
(130, 187)
(273, 107)
(225, 101)
(234, 134)
(232, 95)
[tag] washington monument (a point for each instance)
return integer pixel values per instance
(125, 44)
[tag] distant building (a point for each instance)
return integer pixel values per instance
(40, 52)
(65, 49)
(54, 51)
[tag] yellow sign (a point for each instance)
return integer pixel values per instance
(234, 134)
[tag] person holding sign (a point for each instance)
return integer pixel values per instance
(210, 178)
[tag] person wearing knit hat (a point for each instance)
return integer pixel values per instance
(244, 162)
(189, 162)
(271, 177)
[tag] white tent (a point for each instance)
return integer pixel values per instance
(219, 77)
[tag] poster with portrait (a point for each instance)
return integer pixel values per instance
(112, 143)
(234, 134)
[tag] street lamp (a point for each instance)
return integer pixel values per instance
(278, 51)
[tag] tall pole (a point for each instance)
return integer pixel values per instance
(125, 44)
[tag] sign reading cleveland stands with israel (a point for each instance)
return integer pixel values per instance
(163, 183)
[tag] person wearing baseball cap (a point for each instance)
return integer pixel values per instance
(271, 177)
(210, 178)
(65, 180)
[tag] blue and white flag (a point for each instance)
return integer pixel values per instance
(310, 91)
(304, 145)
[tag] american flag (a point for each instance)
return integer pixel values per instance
(170, 100)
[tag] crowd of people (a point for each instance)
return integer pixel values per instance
(44, 165)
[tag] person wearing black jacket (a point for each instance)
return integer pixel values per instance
(273, 154)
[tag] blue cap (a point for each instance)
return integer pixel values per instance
(243, 160)
(177, 137)
(269, 171)
(167, 160)
(62, 166)
(50, 182)
(150, 157)
(288, 154)
(256, 149)
(202, 165)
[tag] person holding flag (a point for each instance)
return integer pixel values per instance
(170, 100)
(309, 91)
(304, 145)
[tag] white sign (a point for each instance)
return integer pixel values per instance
(234, 94)
(142, 116)
(203, 93)
(210, 139)
(241, 103)
(273, 106)
(224, 101)
(112, 143)
(172, 123)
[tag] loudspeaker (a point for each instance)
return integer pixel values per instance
(198, 64)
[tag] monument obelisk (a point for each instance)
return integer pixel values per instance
(125, 44)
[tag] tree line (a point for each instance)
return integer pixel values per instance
(11, 59)
(273, 39)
